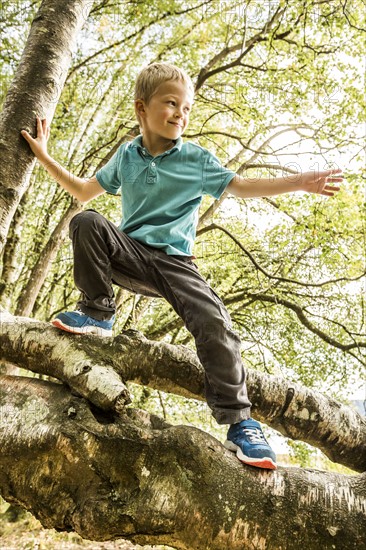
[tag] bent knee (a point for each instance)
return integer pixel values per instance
(85, 219)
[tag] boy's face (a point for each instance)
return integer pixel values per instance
(166, 115)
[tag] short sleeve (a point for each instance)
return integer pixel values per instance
(215, 176)
(108, 175)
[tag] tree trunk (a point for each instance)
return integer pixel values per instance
(11, 260)
(134, 476)
(35, 90)
(85, 363)
(41, 268)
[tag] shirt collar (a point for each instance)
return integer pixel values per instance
(137, 142)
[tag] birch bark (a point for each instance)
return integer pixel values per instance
(295, 411)
(35, 90)
(133, 476)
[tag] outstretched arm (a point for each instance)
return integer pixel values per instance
(321, 183)
(82, 189)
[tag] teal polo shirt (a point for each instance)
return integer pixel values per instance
(161, 195)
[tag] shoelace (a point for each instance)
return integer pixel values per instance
(254, 435)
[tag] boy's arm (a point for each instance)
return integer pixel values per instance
(82, 189)
(311, 182)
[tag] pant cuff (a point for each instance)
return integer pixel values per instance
(231, 416)
(96, 313)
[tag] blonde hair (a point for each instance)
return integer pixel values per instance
(155, 74)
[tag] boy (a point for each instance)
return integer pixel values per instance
(162, 181)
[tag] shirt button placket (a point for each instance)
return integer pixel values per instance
(151, 176)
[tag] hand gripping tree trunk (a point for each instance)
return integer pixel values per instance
(84, 463)
(35, 91)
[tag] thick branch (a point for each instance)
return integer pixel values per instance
(134, 476)
(37, 347)
(297, 412)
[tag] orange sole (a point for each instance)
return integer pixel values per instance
(265, 464)
(58, 324)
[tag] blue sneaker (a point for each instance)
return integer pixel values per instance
(247, 440)
(79, 323)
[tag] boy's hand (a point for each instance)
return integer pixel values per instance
(38, 144)
(319, 182)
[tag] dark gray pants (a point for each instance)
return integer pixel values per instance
(103, 254)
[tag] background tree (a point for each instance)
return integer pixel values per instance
(36, 87)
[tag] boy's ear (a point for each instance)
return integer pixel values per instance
(139, 106)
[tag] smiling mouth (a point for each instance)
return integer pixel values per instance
(176, 124)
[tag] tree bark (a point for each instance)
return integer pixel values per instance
(35, 90)
(40, 270)
(134, 476)
(295, 411)
(63, 358)
(10, 260)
